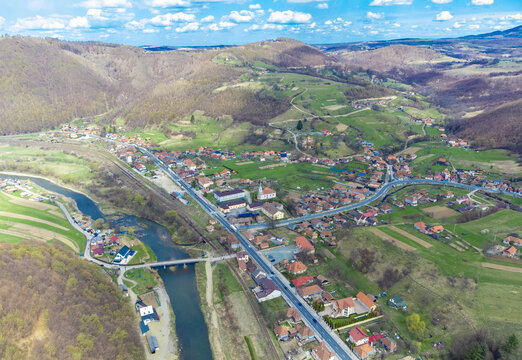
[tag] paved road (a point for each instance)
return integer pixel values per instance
(292, 297)
(381, 192)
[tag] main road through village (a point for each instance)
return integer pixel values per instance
(290, 294)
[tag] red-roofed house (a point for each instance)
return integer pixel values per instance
(304, 245)
(358, 336)
(302, 280)
(321, 352)
(344, 307)
(297, 267)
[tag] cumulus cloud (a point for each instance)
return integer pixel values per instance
(302, 1)
(456, 25)
(254, 6)
(79, 22)
(322, 6)
(390, 2)
(96, 14)
(2, 21)
(39, 23)
(328, 22)
(192, 26)
(444, 16)
(289, 17)
(226, 24)
(150, 31)
(168, 3)
(266, 27)
(441, 1)
(482, 2)
(517, 16)
(105, 3)
(241, 16)
(208, 18)
(169, 18)
(474, 26)
(372, 15)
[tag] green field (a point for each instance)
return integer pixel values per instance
(288, 177)
(494, 163)
(67, 167)
(486, 229)
(27, 220)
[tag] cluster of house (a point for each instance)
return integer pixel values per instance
(261, 239)
(511, 248)
(427, 229)
(457, 143)
(10, 186)
(364, 345)
(364, 103)
(265, 289)
(110, 246)
(147, 314)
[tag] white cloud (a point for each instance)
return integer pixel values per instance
(2, 21)
(105, 3)
(193, 26)
(372, 15)
(303, 1)
(168, 19)
(96, 14)
(456, 25)
(390, 2)
(214, 27)
(79, 22)
(474, 26)
(328, 22)
(39, 23)
(241, 16)
(517, 16)
(482, 2)
(441, 1)
(396, 24)
(289, 17)
(322, 6)
(208, 18)
(226, 24)
(150, 31)
(168, 3)
(266, 27)
(444, 16)
(374, 32)
(254, 6)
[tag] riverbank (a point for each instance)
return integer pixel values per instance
(177, 288)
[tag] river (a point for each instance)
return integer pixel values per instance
(180, 284)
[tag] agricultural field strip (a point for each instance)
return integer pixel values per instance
(30, 218)
(389, 238)
(502, 267)
(412, 237)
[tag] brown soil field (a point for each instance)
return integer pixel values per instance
(502, 267)
(271, 166)
(25, 217)
(456, 247)
(245, 163)
(39, 233)
(334, 107)
(395, 242)
(57, 213)
(411, 237)
(439, 212)
(32, 204)
(341, 127)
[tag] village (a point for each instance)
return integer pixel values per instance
(248, 201)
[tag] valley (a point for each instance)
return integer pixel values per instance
(358, 200)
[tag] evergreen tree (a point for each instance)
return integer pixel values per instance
(299, 125)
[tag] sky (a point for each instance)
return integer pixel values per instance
(229, 22)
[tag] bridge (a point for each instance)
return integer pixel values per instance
(186, 261)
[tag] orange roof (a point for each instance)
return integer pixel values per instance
(297, 267)
(303, 243)
(363, 350)
(437, 228)
(322, 352)
(365, 299)
(511, 251)
(344, 303)
(310, 290)
(281, 331)
(267, 191)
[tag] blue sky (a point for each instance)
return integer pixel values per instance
(212, 22)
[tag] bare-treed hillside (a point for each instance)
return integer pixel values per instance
(54, 305)
(45, 82)
(500, 127)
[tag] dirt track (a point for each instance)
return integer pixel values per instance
(411, 237)
(395, 242)
(502, 267)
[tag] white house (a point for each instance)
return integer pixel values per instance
(265, 193)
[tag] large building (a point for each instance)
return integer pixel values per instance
(265, 193)
(272, 212)
(229, 195)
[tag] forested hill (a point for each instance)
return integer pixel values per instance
(55, 306)
(46, 82)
